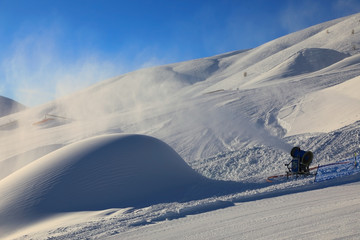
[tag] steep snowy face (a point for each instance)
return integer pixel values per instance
(309, 60)
(9, 106)
(110, 171)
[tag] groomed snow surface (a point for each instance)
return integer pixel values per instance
(329, 213)
(183, 151)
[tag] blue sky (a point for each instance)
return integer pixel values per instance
(49, 48)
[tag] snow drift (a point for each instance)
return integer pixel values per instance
(110, 171)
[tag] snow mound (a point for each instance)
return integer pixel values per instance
(14, 163)
(9, 106)
(110, 171)
(309, 60)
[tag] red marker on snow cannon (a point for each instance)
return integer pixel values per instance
(300, 162)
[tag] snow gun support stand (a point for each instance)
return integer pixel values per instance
(300, 163)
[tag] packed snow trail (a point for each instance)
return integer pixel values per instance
(328, 213)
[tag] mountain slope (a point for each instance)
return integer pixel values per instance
(231, 117)
(308, 60)
(208, 101)
(339, 105)
(8, 106)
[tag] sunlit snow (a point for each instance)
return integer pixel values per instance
(182, 151)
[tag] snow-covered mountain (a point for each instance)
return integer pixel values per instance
(9, 106)
(232, 118)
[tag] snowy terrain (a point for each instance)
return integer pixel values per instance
(8, 106)
(182, 151)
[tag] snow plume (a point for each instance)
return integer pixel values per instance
(227, 122)
(265, 137)
(131, 93)
(346, 7)
(251, 131)
(297, 16)
(41, 66)
(37, 69)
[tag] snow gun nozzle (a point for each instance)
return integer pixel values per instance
(304, 157)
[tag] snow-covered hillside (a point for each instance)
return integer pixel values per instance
(84, 166)
(9, 106)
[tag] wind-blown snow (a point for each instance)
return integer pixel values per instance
(232, 118)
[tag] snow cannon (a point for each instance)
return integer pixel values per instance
(301, 161)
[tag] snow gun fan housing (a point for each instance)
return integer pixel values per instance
(301, 160)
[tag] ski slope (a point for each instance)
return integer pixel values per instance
(183, 150)
(329, 213)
